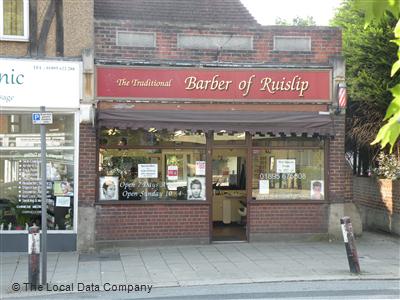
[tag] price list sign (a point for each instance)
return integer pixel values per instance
(29, 188)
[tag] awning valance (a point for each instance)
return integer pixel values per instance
(236, 121)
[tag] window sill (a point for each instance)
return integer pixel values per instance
(288, 201)
(152, 202)
(14, 39)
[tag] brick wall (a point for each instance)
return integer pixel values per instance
(287, 218)
(87, 165)
(381, 194)
(326, 42)
(152, 221)
(378, 201)
(339, 187)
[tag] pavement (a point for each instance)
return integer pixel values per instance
(225, 263)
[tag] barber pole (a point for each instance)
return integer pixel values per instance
(342, 95)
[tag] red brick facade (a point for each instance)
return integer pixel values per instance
(169, 220)
(339, 187)
(287, 218)
(87, 165)
(325, 43)
(380, 194)
(152, 221)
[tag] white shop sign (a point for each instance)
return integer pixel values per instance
(285, 166)
(35, 83)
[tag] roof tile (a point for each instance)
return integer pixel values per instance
(204, 12)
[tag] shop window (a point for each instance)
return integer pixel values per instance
(14, 23)
(114, 137)
(265, 140)
(224, 138)
(164, 172)
(289, 174)
(20, 190)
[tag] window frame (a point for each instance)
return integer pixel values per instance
(75, 149)
(16, 38)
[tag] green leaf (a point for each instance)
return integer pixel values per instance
(389, 133)
(395, 68)
(394, 108)
(397, 29)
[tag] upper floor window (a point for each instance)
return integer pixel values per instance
(14, 23)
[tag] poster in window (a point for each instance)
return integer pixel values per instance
(263, 187)
(196, 187)
(63, 201)
(317, 189)
(62, 188)
(285, 166)
(148, 170)
(172, 173)
(200, 168)
(108, 188)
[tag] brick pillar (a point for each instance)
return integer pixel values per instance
(340, 184)
(337, 172)
(87, 187)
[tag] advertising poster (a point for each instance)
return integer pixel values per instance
(317, 189)
(108, 188)
(285, 166)
(63, 188)
(263, 187)
(172, 173)
(200, 168)
(148, 170)
(63, 201)
(196, 188)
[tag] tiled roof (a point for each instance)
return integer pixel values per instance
(176, 11)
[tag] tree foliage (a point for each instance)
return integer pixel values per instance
(297, 21)
(375, 11)
(369, 56)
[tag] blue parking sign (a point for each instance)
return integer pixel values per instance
(42, 118)
(35, 117)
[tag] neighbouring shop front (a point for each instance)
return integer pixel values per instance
(212, 154)
(25, 86)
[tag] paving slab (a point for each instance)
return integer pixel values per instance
(213, 264)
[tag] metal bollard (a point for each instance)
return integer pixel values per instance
(34, 255)
(349, 242)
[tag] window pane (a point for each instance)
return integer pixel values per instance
(262, 140)
(20, 190)
(288, 174)
(16, 130)
(139, 174)
(224, 138)
(20, 185)
(112, 137)
(13, 12)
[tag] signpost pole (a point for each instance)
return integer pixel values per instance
(44, 199)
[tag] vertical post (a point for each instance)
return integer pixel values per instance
(34, 256)
(349, 241)
(44, 199)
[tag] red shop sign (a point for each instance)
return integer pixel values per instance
(210, 84)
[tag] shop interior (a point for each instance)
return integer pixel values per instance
(229, 211)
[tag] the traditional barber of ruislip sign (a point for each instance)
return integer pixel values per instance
(217, 84)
